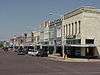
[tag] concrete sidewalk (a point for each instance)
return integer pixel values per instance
(58, 58)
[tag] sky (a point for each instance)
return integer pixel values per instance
(20, 16)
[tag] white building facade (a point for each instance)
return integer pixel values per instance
(80, 34)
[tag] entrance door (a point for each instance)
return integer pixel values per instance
(89, 52)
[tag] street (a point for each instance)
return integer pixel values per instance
(13, 64)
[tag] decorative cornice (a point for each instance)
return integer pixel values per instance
(81, 10)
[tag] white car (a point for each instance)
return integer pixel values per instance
(33, 53)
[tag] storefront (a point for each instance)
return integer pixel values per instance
(80, 51)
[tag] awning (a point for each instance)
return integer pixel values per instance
(81, 45)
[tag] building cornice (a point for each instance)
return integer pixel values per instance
(81, 10)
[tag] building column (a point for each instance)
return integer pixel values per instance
(83, 52)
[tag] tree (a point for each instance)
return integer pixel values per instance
(1, 45)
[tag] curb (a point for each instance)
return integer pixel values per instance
(55, 58)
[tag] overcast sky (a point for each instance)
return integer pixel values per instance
(18, 16)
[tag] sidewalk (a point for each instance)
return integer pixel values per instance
(58, 58)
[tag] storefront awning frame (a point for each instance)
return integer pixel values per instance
(81, 45)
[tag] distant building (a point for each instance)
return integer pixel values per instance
(44, 33)
(36, 38)
(58, 24)
(17, 41)
(27, 39)
(55, 33)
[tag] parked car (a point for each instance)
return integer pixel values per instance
(21, 51)
(42, 53)
(33, 53)
(5, 49)
(26, 49)
(16, 48)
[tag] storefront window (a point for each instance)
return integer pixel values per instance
(73, 41)
(89, 41)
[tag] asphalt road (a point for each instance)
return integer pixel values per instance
(12, 64)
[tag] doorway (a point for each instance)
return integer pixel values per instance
(89, 52)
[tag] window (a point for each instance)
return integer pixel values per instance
(89, 41)
(73, 41)
(68, 42)
(66, 30)
(46, 42)
(79, 22)
(77, 41)
(69, 29)
(75, 27)
(21, 41)
(72, 29)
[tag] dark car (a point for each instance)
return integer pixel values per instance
(26, 49)
(16, 48)
(5, 49)
(21, 51)
(42, 53)
(39, 53)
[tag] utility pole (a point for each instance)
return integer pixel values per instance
(54, 34)
(52, 13)
(25, 37)
(63, 49)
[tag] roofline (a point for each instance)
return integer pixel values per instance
(81, 10)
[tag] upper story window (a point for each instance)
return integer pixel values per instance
(79, 22)
(75, 27)
(89, 41)
(72, 28)
(64, 29)
(69, 29)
